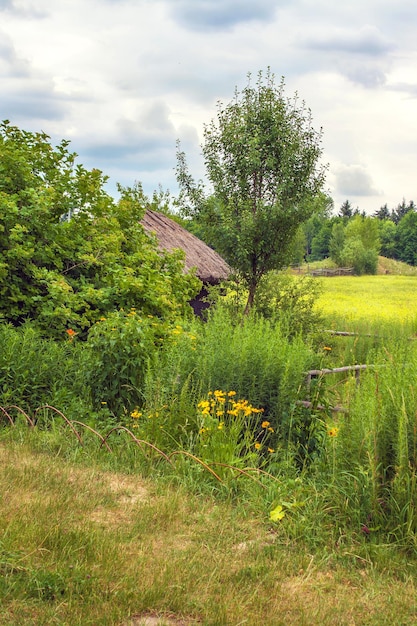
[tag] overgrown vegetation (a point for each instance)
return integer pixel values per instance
(103, 366)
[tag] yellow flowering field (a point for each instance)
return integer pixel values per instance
(369, 298)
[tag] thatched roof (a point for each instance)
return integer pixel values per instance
(210, 267)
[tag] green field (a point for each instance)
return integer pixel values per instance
(369, 298)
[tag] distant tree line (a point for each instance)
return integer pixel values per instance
(351, 238)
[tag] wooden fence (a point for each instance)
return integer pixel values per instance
(311, 374)
(338, 271)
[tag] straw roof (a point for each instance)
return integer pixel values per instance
(210, 267)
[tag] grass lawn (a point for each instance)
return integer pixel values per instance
(82, 545)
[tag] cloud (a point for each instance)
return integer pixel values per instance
(10, 63)
(33, 104)
(367, 41)
(203, 15)
(148, 141)
(14, 6)
(354, 180)
(365, 74)
(408, 88)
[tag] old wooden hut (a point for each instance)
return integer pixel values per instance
(209, 266)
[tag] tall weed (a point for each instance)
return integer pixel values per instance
(377, 443)
(34, 370)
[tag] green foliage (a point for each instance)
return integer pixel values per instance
(291, 300)
(378, 442)
(388, 238)
(406, 238)
(68, 253)
(321, 241)
(255, 359)
(354, 254)
(33, 370)
(118, 352)
(366, 229)
(357, 244)
(337, 243)
(261, 157)
(230, 433)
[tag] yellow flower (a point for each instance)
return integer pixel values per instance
(220, 426)
(271, 450)
(332, 432)
(136, 414)
(265, 424)
(271, 430)
(231, 393)
(327, 348)
(258, 446)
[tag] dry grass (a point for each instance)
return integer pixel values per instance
(118, 549)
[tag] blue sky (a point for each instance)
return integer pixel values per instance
(124, 79)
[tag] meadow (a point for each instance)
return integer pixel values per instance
(369, 300)
(219, 497)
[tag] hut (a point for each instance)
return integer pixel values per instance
(209, 266)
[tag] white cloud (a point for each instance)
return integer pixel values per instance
(354, 180)
(123, 79)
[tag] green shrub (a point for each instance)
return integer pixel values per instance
(290, 299)
(33, 370)
(118, 351)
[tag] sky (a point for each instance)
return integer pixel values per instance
(123, 80)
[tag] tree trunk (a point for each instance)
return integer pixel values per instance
(251, 297)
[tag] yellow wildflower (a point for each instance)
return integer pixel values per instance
(271, 450)
(136, 414)
(265, 424)
(332, 432)
(258, 446)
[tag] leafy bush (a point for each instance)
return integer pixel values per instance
(118, 351)
(35, 371)
(363, 260)
(291, 300)
(68, 253)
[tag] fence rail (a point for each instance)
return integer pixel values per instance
(324, 372)
(338, 271)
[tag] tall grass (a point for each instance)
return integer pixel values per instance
(373, 460)
(253, 358)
